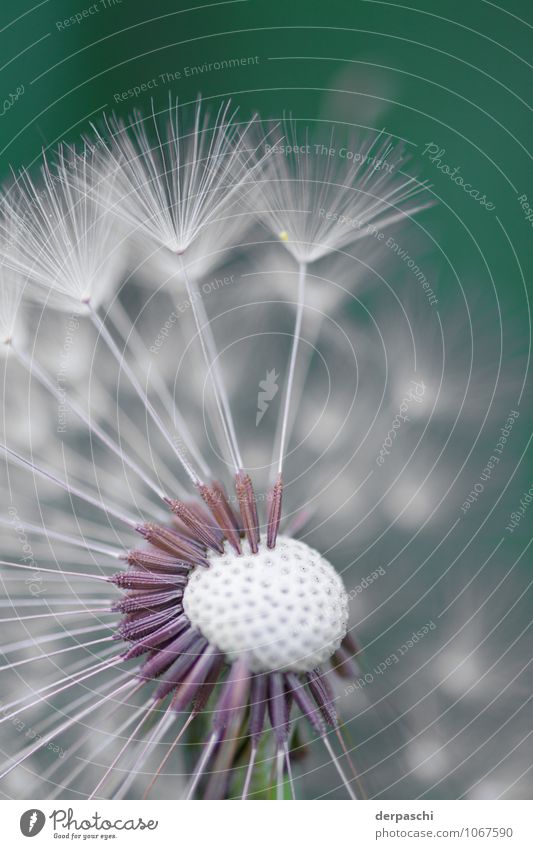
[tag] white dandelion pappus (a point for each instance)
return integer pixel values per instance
(67, 247)
(215, 246)
(316, 201)
(171, 185)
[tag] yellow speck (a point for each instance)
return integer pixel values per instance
(284, 236)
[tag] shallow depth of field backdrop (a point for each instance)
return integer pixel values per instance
(454, 81)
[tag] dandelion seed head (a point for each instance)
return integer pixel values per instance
(317, 198)
(211, 614)
(283, 609)
(68, 249)
(211, 250)
(171, 183)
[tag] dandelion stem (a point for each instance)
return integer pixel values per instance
(53, 653)
(133, 340)
(249, 772)
(63, 727)
(350, 761)
(85, 698)
(154, 415)
(199, 771)
(49, 638)
(280, 764)
(159, 731)
(86, 544)
(171, 748)
(129, 432)
(211, 359)
(53, 571)
(111, 737)
(145, 710)
(289, 771)
(309, 350)
(71, 490)
(87, 673)
(56, 613)
(302, 270)
(44, 380)
(338, 767)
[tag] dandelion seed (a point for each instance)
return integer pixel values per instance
(67, 246)
(316, 201)
(172, 182)
(171, 188)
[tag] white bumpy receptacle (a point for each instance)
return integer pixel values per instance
(284, 609)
